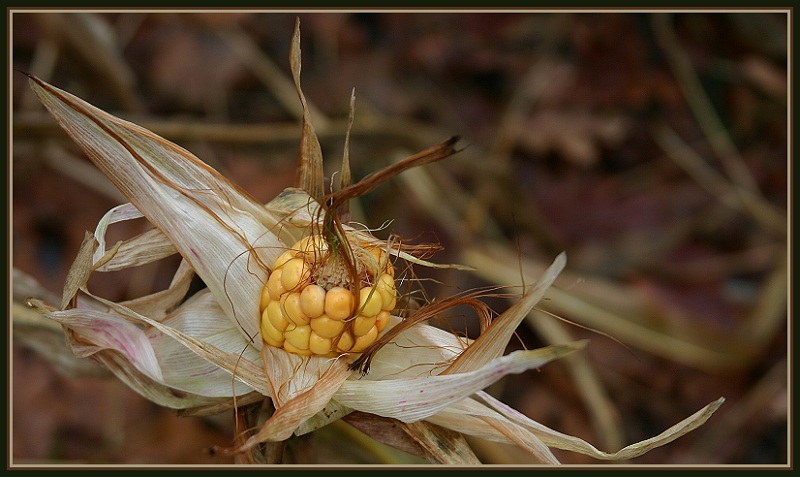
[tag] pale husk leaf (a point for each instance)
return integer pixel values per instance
(145, 248)
(493, 342)
(574, 444)
(154, 391)
(290, 375)
(419, 351)
(443, 445)
(158, 304)
(414, 399)
(232, 361)
(288, 417)
(523, 439)
(99, 331)
(201, 318)
(220, 229)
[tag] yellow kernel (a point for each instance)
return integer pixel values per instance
(345, 342)
(274, 285)
(362, 342)
(290, 304)
(284, 257)
(338, 303)
(265, 298)
(292, 349)
(276, 316)
(272, 342)
(318, 344)
(311, 245)
(387, 291)
(270, 335)
(298, 336)
(295, 272)
(382, 320)
(382, 259)
(362, 324)
(370, 301)
(378, 254)
(312, 300)
(326, 327)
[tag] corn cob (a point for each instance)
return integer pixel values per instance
(308, 305)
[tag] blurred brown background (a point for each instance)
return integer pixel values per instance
(651, 147)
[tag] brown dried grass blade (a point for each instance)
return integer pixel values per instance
(310, 173)
(373, 180)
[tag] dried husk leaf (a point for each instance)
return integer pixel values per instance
(220, 229)
(471, 417)
(99, 330)
(559, 440)
(158, 304)
(441, 444)
(232, 361)
(387, 431)
(414, 399)
(288, 417)
(290, 375)
(152, 390)
(202, 318)
(492, 342)
(79, 271)
(523, 439)
(147, 247)
(310, 174)
(419, 351)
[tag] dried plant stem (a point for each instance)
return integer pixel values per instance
(701, 106)
(729, 194)
(269, 73)
(691, 347)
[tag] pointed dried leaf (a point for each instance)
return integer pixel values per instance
(106, 331)
(492, 342)
(220, 229)
(145, 248)
(291, 414)
(310, 174)
(523, 439)
(574, 444)
(79, 272)
(413, 399)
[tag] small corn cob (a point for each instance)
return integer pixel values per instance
(308, 308)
